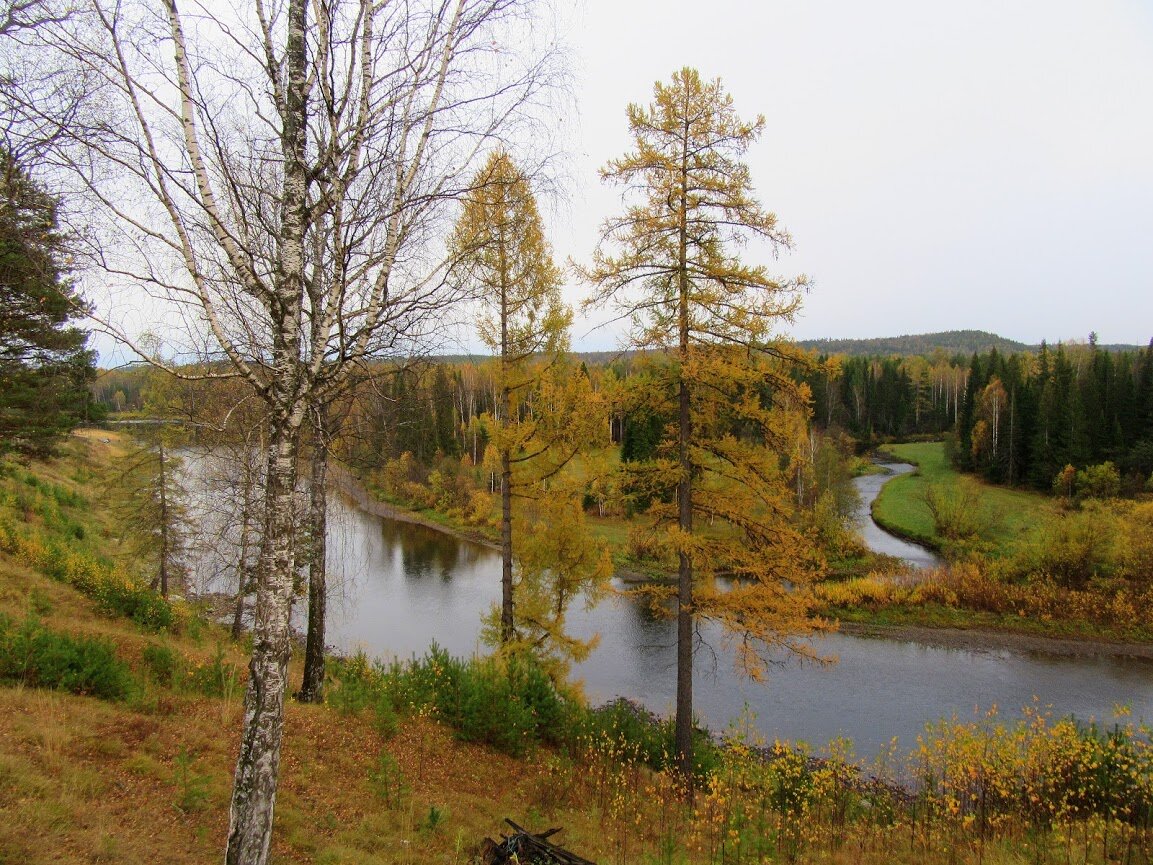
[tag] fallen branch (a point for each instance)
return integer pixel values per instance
(526, 848)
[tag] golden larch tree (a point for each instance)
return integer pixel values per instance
(504, 258)
(670, 264)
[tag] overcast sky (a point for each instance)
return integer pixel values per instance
(941, 166)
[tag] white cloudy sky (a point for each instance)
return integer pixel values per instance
(985, 164)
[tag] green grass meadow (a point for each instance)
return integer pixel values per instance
(1007, 517)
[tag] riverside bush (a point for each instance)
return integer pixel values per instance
(1038, 790)
(510, 704)
(1111, 603)
(171, 669)
(1034, 790)
(33, 655)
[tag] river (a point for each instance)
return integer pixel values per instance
(397, 587)
(403, 586)
(876, 538)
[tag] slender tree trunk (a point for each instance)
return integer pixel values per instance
(507, 626)
(684, 712)
(165, 531)
(507, 621)
(312, 688)
(1013, 438)
(243, 572)
(258, 765)
(683, 734)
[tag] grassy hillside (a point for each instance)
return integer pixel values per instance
(147, 777)
(404, 765)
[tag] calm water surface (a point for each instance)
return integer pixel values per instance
(398, 587)
(876, 538)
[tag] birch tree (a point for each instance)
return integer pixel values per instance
(676, 274)
(274, 174)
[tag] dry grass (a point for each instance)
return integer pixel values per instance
(82, 780)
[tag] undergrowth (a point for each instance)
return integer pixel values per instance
(43, 526)
(34, 656)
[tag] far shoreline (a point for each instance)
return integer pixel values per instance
(977, 640)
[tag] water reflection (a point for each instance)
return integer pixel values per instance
(422, 552)
(399, 587)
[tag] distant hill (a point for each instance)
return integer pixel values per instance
(951, 341)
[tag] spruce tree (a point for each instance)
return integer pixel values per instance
(45, 367)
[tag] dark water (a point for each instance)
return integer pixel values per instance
(399, 587)
(876, 538)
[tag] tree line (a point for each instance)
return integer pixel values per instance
(1016, 418)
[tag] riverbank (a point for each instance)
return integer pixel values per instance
(930, 624)
(1000, 520)
(984, 640)
(354, 490)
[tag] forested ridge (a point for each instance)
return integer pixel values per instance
(1017, 418)
(949, 341)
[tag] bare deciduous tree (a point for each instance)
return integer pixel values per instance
(278, 175)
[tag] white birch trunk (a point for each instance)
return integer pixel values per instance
(258, 766)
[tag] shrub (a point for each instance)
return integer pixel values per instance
(641, 735)
(480, 509)
(114, 592)
(1101, 481)
(1139, 554)
(388, 782)
(956, 511)
(1075, 548)
(35, 656)
(163, 664)
(171, 669)
(510, 705)
(354, 683)
(1065, 482)
(217, 678)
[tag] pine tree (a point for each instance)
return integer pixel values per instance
(677, 276)
(45, 369)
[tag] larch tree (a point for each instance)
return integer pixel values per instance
(277, 175)
(556, 557)
(148, 493)
(506, 261)
(670, 264)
